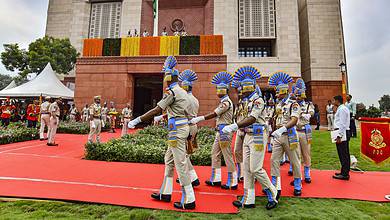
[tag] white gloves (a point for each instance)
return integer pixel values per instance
(306, 117)
(92, 124)
(230, 128)
(158, 118)
(134, 122)
(278, 133)
(197, 120)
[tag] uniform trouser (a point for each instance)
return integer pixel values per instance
(45, 121)
(253, 165)
(54, 122)
(104, 119)
(124, 126)
(95, 132)
(305, 149)
(344, 157)
(176, 157)
(225, 149)
(330, 118)
(72, 117)
(85, 118)
(238, 146)
(190, 168)
(352, 127)
(281, 145)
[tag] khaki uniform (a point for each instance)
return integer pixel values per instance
(288, 142)
(95, 113)
(85, 113)
(104, 116)
(193, 109)
(222, 142)
(269, 113)
(73, 114)
(175, 102)
(45, 120)
(254, 150)
(127, 113)
(238, 153)
(305, 133)
(54, 110)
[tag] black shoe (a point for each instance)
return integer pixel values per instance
(287, 161)
(297, 192)
(341, 177)
(278, 195)
(241, 179)
(224, 186)
(264, 192)
(307, 180)
(45, 138)
(161, 197)
(292, 183)
(282, 163)
(238, 204)
(194, 183)
(337, 174)
(48, 144)
(290, 173)
(41, 139)
(271, 205)
(179, 205)
(209, 183)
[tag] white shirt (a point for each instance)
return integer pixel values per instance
(329, 109)
(341, 120)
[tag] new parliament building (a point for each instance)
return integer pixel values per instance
(301, 37)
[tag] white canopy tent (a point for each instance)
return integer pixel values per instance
(10, 86)
(45, 84)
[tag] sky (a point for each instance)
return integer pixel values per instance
(366, 30)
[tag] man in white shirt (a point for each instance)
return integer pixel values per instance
(352, 109)
(341, 128)
(45, 119)
(145, 34)
(330, 115)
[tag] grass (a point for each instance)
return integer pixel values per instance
(324, 156)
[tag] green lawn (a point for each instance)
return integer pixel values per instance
(324, 156)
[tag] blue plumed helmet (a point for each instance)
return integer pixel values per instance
(236, 84)
(222, 80)
(247, 76)
(187, 77)
(169, 68)
(258, 90)
(300, 88)
(280, 80)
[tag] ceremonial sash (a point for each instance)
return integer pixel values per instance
(258, 137)
(293, 139)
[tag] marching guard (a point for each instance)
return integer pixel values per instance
(222, 144)
(238, 116)
(85, 113)
(45, 119)
(127, 113)
(270, 111)
(95, 120)
(254, 143)
(175, 102)
(54, 110)
(285, 138)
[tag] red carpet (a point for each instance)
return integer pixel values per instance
(33, 170)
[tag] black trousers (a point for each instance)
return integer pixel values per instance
(31, 124)
(352, 127)
(344, 156)
(5, 121)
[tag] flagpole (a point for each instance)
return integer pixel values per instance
(155, 28)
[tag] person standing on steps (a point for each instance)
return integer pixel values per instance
(222, 143)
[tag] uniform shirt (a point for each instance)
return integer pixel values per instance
(329, 109)
(127, 112)
(342, 120)
(164, 33)
(256, 108)
(286, 109)
(175, 102)
(45, 107)
(85, 111)
(104, 111)
(54, 109)
(269, 111)
(351, 107)
(193, 106)
(224, 111)
(306, 108)
(95, 110)
(32, 112)
(6, 111)
(73, 111)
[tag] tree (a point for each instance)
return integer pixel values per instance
(384, 103)
(59, 52)
(4, 81)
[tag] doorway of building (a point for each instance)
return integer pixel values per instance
(148, 90)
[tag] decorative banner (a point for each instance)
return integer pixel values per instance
(375, 143)
(169, 45)
(211, 44)
(190, 45)
(130, 46)
(93, 47)
(150, 46)
(112, 47)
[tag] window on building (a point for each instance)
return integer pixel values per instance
(256, 48)
(105, 20)
(257, 19)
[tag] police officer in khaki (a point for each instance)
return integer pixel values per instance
(175, 102)
(270, 111)
(45, 119)
(238, 116)
(222, 144)
(285, 138)
(304, 128)
(127, 114)
(254, 140)
(54, 110)
(104, 114)
(95, 120)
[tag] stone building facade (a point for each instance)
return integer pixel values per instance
(301, 37)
